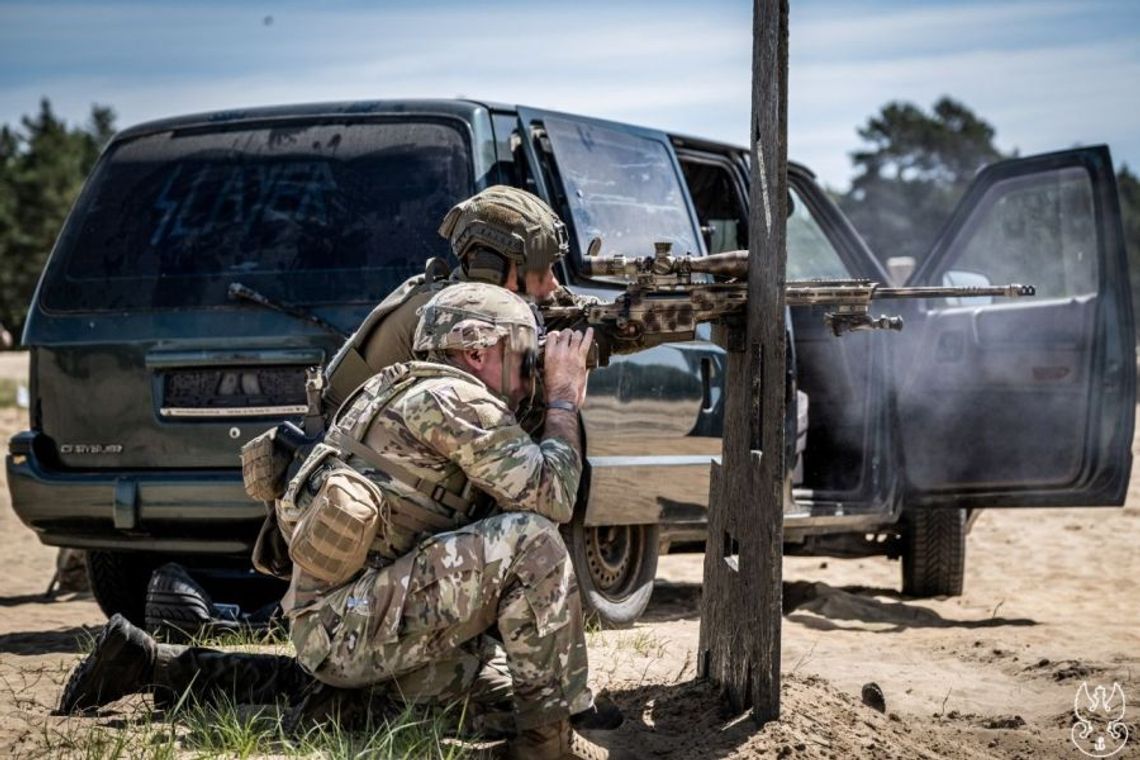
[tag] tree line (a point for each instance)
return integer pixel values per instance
(911, 170)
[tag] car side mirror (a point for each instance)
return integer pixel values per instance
(962, 278)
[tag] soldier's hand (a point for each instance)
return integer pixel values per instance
(565, 364)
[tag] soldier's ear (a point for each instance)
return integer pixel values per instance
(475, 358)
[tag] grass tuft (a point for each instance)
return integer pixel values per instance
(644, 643)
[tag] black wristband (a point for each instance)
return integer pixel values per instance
(566, 406)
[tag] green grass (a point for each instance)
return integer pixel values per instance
(132, 729)
(643, 642)
(240, 731)
(274, 640)
(229, 730)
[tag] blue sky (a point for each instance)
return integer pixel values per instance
(1046, 74)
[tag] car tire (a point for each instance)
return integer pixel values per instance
(615, 566)
(934, 552)
(119, 580)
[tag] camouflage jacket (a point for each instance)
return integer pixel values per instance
(447, 427)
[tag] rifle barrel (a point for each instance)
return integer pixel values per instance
(969, 291)
(734, 265)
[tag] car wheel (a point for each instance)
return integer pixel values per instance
(615, 565)
(118, 582)
(934, 552)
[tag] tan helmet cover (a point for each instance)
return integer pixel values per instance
(475, 315)
(509, 221)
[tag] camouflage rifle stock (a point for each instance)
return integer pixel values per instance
(668, 296)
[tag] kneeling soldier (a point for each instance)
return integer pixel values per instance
(398, 576)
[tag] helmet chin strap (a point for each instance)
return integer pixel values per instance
(505, 366)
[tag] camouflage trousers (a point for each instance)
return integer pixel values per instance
(511, 572)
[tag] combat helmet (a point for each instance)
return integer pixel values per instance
(471, 315)
(475, 315)
(509, 222)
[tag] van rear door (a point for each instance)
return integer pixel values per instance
(142, 360)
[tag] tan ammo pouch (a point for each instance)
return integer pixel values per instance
(407, 513)
(332, 538)
(264, 464)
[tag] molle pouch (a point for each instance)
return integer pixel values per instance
(311, 641)
(333, 536)
(265, 461)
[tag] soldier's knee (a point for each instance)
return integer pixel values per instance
(516, 537)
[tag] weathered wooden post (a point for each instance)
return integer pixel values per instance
(741, 603)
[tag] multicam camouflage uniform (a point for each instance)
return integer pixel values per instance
(418, 612)
(499, 219)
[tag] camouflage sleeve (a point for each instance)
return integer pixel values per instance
(476, 430)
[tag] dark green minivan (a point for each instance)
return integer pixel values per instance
(147, 375)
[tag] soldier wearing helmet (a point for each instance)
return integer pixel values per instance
(501, 235)
(398, 576)
(434, 432)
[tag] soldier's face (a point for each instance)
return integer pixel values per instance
(539, 285)
(487, 365)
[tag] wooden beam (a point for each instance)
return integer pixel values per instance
(741, 601)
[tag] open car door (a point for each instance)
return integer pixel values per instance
(1028, 402)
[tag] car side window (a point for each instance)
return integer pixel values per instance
(622, 187)
(720, 209)
(1039, 230)
(810, 254)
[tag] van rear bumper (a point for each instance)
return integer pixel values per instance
(194, 511)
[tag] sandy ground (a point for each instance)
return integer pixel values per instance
(1052, 600)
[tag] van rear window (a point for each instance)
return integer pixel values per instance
(306, 213)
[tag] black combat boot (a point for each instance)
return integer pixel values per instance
(121, 663)
(178, 609)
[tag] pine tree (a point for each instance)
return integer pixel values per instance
(42, 167)
(916, 169)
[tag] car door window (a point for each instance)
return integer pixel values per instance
(1038, 229)
(622, 187)
(720, 208)
(810, 254)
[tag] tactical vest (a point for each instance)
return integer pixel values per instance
(452, 502)
(348, 368)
